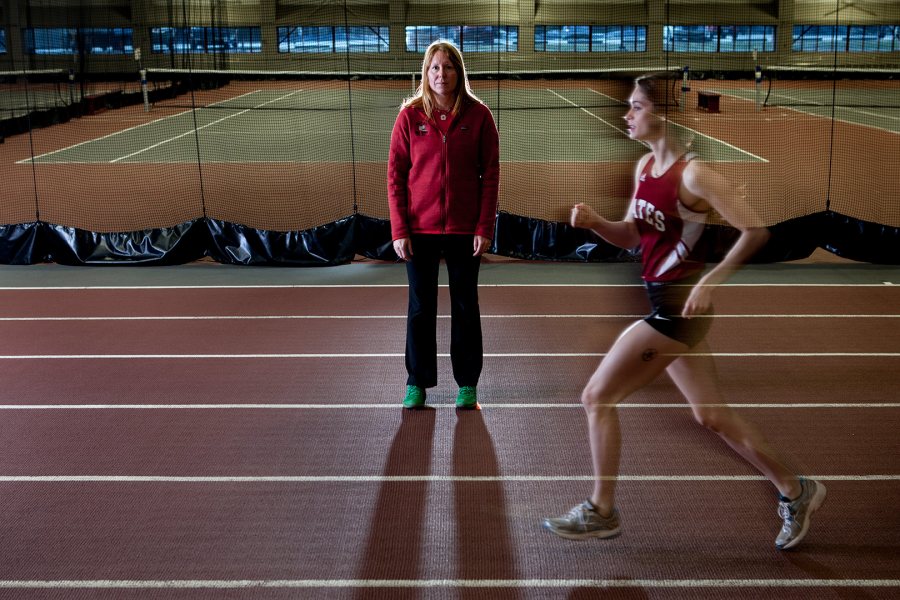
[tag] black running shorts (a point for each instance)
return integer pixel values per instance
(667, 300)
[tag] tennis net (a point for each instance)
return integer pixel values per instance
(841, 87)
(22, 92)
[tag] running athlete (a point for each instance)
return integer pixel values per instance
(674, 191)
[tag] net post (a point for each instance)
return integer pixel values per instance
(685, 87)
(144, 93)
(71, 85)
(143, 73)
(757, 80)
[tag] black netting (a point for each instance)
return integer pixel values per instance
(152, 118)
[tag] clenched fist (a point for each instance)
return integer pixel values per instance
(583, 216)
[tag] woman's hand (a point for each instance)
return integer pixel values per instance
(699, 301)
(583, 216)
(481, 245)
(403, 248)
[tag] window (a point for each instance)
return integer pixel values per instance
(2, 41)
(373, 38)
(51, 41)
(419, 37)
(590, 38)
(863, 39)
(470, 38)
(306, 39)
(175, 40)
(370, 38)
(200, 40)
(719, 38)
(107, 41)
(830, 38)
(618, 38)
(889, 38)
(819, 38)
(746, 38)
(562, 38)
(234, 40)
(490, 38)
(874, 38)
(97, 40)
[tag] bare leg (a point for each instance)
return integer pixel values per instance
(639, 355)
(696, 377)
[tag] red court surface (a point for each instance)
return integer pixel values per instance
(216, 432)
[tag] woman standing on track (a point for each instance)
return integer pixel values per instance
(673, 194)
(443, 178)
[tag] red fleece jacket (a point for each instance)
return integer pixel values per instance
(444, 183)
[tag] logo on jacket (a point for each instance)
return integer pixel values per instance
(422, 129)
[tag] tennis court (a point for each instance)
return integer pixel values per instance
(870, 104)
(561, 141)
(269, 123)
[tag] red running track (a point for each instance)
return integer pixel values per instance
(298, 476)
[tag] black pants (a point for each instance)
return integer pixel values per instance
(466, 351)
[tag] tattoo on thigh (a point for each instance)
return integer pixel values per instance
(649, 354)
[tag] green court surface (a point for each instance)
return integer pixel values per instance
(851, 102)
(315, 125)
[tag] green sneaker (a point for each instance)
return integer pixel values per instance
(415, 397)
(467, 398)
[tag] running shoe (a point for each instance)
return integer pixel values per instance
(583, 521)
(796, 513)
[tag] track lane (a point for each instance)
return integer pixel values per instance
(346, 443)
(539, 380)
(386, 336)
(296, 532)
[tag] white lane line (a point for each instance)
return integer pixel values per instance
(115, 133)
(605, 122)
(196, 129)
(376, 317)
(694, 131)
(795, 354)
(443, 583)
(396, 355)
(193, 356)
(802, 102)
(404, 285)
(393, 406)
(406, 478)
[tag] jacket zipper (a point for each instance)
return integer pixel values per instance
(444, 209)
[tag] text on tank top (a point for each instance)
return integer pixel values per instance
(669, 230)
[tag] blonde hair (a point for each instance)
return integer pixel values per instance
(658, 89)
(424, 96)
